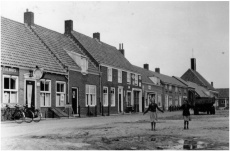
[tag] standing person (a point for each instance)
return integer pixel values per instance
(186, 114)
(153, 115)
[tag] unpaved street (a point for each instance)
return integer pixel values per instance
(119, 132)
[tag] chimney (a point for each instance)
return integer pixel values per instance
(121, 49)
(29, 18)
(212, 84)
(157, 70)
(68, 26)
(146, 66)
(193, 64)
(96, 36)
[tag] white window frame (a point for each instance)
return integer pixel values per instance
(159, 100)
(119, 76)
(90, 93)
(45, 92)
(110, 74)
(112, 97)
(64, 93)
(128, 77)
(105, 102)
(170, 88)
(136, 79)
(11, 90)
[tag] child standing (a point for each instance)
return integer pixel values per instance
(186, 113)
(153, 115)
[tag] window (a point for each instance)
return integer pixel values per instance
(110, 74)
(136, 79)
(139, 77)
(170, 88)
(45, 93)
(139, 84)
(105, 96)
(119, 76)
(10, 89)
(60, 94)
(176, 89)
(90, 93)
(159, 101)
(80, 60)
(170, 100)
(149, 87)
(128, 78)
(112, 96)
(166, 87)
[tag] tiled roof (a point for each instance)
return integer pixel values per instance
(60, 44)
(102, 52)
(196, 77)
(21, 48)
(201, 91)
(223, 92)
(164, 78)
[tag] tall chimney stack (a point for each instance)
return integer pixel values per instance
(146, 66)
(193, 64)
(96, 36)
(212, 84)
(29, 18)
(157, 70)
(68, 26)
(121, 49)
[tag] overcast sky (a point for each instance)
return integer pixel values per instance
(162, 34)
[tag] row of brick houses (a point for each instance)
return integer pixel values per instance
(53, 72)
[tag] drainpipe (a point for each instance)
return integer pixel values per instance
(100, 83)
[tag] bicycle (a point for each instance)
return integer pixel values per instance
(37, 115)
(18, 115)
(29, 115)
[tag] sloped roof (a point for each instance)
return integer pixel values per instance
(102, 52)
(201, 91)
(223, 92)
(21, 48)
(196, 77)
(60, 44)
(164, 78)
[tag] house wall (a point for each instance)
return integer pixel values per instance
(78, 80)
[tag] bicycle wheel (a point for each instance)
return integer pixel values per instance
(8, 115)
(29, 115)
(37, 116)
(19, 117)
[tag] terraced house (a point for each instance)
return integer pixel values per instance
(120, 85)
(82, 87)
(167, 90)
(31, 74)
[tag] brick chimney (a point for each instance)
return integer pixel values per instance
(96, 36)
(146, 66)
(212, 84)
(29, 18)
(157, 70)
(193, 64)
(121, 49)
(68, 26)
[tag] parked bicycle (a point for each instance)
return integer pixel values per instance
(18, 115)
(37, 114)
(29, 115)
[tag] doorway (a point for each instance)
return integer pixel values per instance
(75, 100)
(136, 101)
(30, 94)
(120, 99)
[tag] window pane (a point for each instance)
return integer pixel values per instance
(6, 83)
(87, 89)
(13, 97)
(92, 90)
(47, 99)
(42, 85)
(62, 87)
(42, 99)
(58, 87)
(47, 86)
(58, 100)
(6, 98)
(13, 83)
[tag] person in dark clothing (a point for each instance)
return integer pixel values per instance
(153, 115)
(186, 114)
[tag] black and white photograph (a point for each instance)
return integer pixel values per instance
(114, 75)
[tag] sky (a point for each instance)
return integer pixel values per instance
(164, 34)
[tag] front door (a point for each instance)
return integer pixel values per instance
(136, 101)
(120, 99)
(30, 94)
(75, 100)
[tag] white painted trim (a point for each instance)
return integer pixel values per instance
(95, 95)
(76, 98)
(105, 105)
(140, 97)
(114, 97)
(122, 95)
(17, 86)
(45, 92)
(62, 82)
(35, 91)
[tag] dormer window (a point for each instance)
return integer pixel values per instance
(155, 80)
(80, 60)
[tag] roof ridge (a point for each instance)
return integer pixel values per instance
(12, 20)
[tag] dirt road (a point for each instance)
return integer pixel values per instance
(130, 132)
